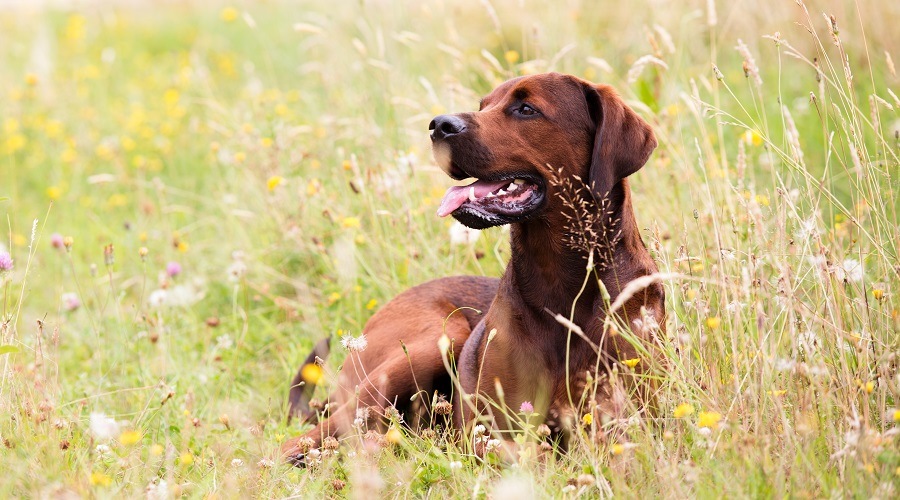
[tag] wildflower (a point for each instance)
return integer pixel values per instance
(462, 235)
(186, 458)
(683, 410)
(894, 415)
(878, 293)
(585, 480)
(102, 449)
(355, 344)
(617, 449)
(479, 430)
(229, 14)
(526, 407)
(274, 182)
(350, 222)
(869, 387)
(511, 56)
(237, 462)
(851, 270)
(156, 450)
(6, 263)
(587, 419)
(393, 436)
(129, 438)
(158, 298)
(444, 343)
(142, 252)
(109, 256)
(103, 427)
(455, 465)
(443, 407)
(492, 445)
(708, 419)
(100, 479)
(173, 269)
(713, 322)
(543, 430)
(157, 489)
(371, 304)
(236, 270)
(631, 363)
(265, 463)
(311, 373)
(68, 241)
(56, 240)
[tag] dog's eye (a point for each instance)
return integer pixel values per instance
(526, 110)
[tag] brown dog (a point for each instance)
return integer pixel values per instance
(550, 154)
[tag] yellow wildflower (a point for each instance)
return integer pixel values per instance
(631, 363)
(683, 410)
(350, 222)
(274, 182)
(587, 419)
(878, 293)
(186, 458)
(617, 449)
(393, 436)
(371, 304)
(100, 479)
(156, 450)
(311, 373)
(511, 56)
(129, 438)
(709, 419)
(54, 192)
(870, 387)
(229, 14)
(713, 322)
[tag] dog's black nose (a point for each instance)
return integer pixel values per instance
(446, 125)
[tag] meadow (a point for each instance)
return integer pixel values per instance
(194, 193)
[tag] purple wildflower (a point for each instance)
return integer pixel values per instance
(526, 407)
(6, 262)
(57, 240)
(173, 269)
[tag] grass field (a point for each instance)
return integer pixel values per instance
(194, 193)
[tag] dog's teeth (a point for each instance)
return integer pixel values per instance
(519, 181)
(489, 195)
(512, 187)
(471, 194)
(501, 192)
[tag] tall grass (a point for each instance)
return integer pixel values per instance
(262, 174)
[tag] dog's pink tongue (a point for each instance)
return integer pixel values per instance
(457, 195)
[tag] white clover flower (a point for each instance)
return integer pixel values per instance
(462, 235)
(103, 427)
(265, 463)
(456, 464)
(224, 342)
(492, 445)
(479, 430)
(237, 462)
(158, 298)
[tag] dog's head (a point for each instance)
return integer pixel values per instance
(528, 130)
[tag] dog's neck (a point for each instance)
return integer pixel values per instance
(548, 273)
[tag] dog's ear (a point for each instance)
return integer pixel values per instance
(622, 143)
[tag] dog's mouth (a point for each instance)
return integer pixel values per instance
(486, 203)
